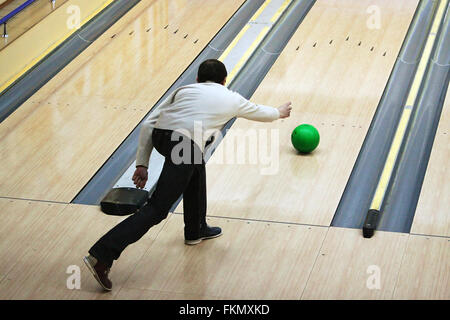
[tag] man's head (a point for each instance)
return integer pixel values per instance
(212, 70)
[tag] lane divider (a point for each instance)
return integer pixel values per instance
(247, 54)
(373, 214)
(280, 11)
(257, 41)
(260, 10)
(233, 43)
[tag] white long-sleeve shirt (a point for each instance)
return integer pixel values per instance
(208, 105)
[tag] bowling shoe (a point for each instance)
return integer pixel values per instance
(207, 233)
(99, 271)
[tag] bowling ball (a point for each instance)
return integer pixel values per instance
(305, 138)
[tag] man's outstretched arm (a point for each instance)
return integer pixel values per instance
(252, 111)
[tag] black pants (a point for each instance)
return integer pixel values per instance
(187, 179)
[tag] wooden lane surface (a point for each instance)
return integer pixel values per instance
(334, 70)
(260, 260)
(61, 136)
(425, 271)
(39, 241)
(251, 260)
(347, 263)
(432, 213)
(143, 48)
(388, 266)
(26, 19)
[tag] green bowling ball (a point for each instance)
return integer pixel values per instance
(305, 138)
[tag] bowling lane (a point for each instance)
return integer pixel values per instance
(145, 46)
(432, 212)
(334, 70)
(56, 141)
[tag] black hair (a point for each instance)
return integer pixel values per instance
(212, 70)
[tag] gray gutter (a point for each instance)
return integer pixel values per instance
(33, 80)
(355, 200)
(105, 178)
(398, 213)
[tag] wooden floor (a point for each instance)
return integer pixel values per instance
(26, 19)
(276, 242)
(334, 71)
(42, 243)
(432, 214)
(86, 111)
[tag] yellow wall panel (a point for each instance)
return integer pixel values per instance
(31, 47)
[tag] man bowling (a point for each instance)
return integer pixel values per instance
(209, 103)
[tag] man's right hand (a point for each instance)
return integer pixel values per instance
(285, 110)
(140, 176)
